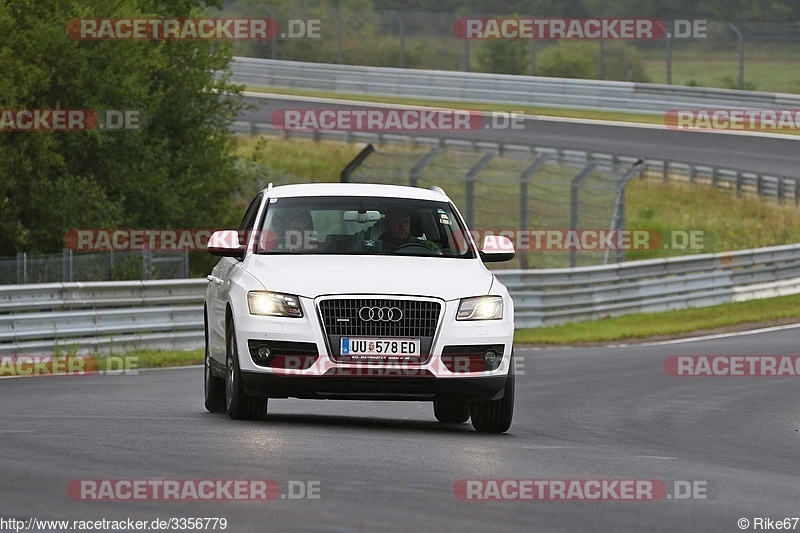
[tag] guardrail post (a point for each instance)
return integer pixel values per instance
(573, 207)
(666, 170)
(714, 176)
(760, 184)
(796, 196)
(738, 184)
(470, 187)
(692, 173)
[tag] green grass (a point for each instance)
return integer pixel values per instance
(152, 359)
(667, 324)
(763, 72)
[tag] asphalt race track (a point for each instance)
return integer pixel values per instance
(582, 413)
(600, 413)
(770, 155)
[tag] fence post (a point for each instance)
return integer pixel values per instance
(402, 27)
(524, 181)
(413, 174)
(668, 45)
(21, 274)
(470, 187)
(573, 207)
(618, 218)
(66, 265)
(740, 50)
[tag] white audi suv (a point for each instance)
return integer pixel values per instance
(359, 291)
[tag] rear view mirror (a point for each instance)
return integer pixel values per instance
(361, 218)
(225, 243)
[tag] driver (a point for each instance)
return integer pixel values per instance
(398, 232)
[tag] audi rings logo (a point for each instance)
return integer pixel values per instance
(380, 314)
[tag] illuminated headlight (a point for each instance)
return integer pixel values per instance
(481, 308)
(273, 304)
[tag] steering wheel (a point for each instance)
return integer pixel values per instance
(414, 248)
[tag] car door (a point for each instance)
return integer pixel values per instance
(221, 275)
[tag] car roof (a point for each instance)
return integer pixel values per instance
(355, 189)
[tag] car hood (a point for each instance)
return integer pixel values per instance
(317, 275)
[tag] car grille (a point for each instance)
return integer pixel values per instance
(342, 318)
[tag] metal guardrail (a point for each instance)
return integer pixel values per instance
(168, 314)
(104, 316)
(440, 85)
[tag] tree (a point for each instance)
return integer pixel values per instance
(178, 171)
(503, 56)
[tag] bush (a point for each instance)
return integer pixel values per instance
(503, 57)
(581, 59)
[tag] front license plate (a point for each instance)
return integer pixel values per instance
(381, 348)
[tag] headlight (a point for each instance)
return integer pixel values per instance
(274, 304)
(481, 308)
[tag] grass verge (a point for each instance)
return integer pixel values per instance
(669, 324)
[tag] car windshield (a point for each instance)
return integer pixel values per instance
(362, 226)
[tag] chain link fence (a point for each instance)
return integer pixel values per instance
(549, 190)
(760, 56)
(102, 266)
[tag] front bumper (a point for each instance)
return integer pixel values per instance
(319, 375)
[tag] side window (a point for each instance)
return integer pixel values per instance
(249, 220)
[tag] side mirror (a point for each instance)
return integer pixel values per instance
(497, 248)
(225, 243)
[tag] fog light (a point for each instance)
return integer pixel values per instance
(262, 355)
(492, 359)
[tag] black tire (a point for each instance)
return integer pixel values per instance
(495, 416)
(240, 406)
(214, 387)
(450, 412)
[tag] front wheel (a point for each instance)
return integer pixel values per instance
(240, 406)
(495, 416)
